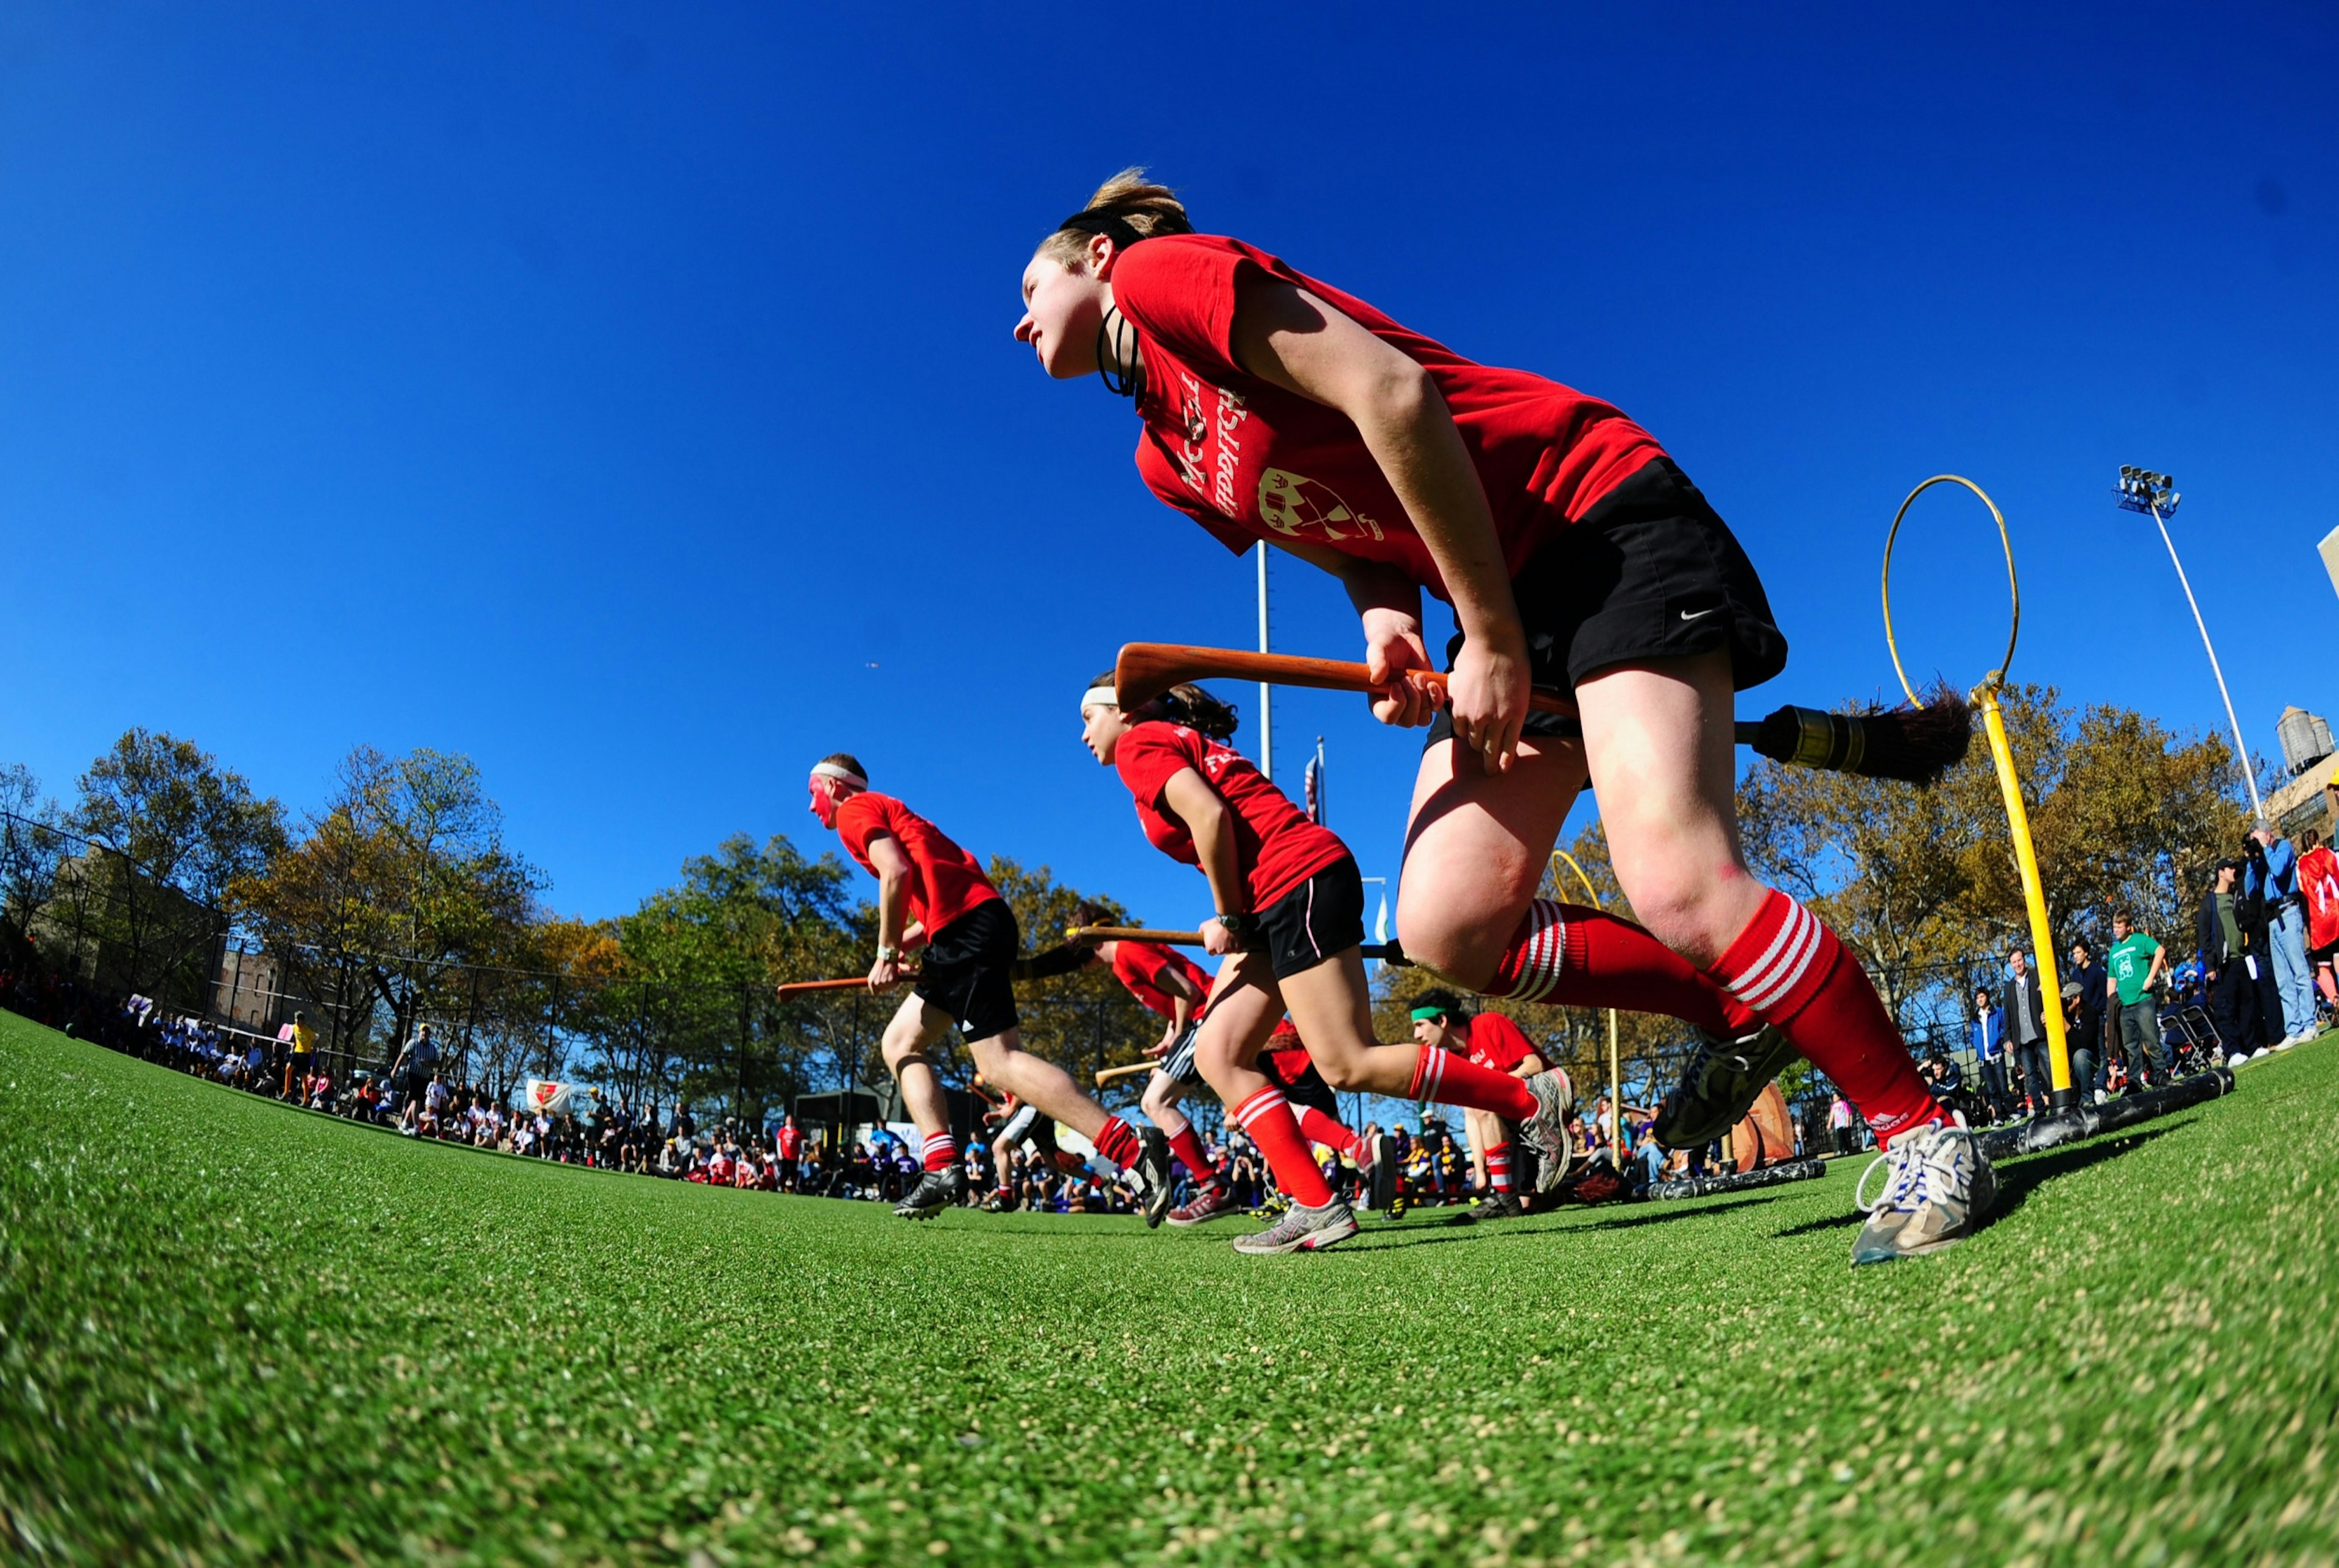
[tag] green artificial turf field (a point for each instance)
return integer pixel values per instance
(230, 1331)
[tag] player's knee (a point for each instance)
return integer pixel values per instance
(1459, 942)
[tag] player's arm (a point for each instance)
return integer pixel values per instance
(1389, 606)
(892, 863)
(1211, 825)
(1184, 996)
(1064, 957)
(1286, 335)
(1529, 1065)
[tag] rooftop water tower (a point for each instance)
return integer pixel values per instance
(2305, 740)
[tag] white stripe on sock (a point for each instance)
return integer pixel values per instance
(1790, 968)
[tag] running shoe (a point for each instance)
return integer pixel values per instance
(1001, 1202)
(1152, 1169)
(1211, 1200)
(1491, 1205)
(936, 1190)
(1546, 1129)
(1940, 1186)
(1303, 1231)
(1719, 1086)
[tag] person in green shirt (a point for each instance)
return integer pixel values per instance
(2136, 965)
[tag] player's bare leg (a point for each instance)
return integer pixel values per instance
(916, 1027)
(1244, 1010)
(1050, 1090)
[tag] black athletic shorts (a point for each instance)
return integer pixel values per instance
(1178, 1061)
(1321, 917)
(964, 969)
(1305, 1088)
(1650, 572)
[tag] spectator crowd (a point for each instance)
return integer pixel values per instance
(2261, 975)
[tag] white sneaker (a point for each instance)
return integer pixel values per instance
(2260, 1052)
(2235, 1060)
(1303, 1231)
(2101, 1097)
(1941, 1187)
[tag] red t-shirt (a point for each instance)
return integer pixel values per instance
(2318, 880)
(1250, 461)
(791, 1141)
(944, 881)
(1276, 846)
(1498, 1043)
(1139, 965)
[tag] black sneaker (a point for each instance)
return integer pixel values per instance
(1719, 1086)
(936, 1190)
(1152, 1169)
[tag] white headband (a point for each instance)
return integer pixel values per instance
(839, 772)
(1101, 696)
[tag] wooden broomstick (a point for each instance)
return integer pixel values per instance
(1916, 744)
(843, 983)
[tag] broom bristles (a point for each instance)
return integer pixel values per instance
(1915, 745)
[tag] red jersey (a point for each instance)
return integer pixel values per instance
(1276, 847)
(1138, 965)
(1287, 1065)
(1497, 1043)
(944, 881)
(790, 1140)
(1250, 461)
(2318, 884)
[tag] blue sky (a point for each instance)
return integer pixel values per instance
(624, 395)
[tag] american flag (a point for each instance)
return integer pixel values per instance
(1315, 784)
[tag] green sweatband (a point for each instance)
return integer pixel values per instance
(1428, 1014)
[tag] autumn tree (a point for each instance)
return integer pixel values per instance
(186, 821)
(690, 1009)
(1922, 884)
(402, 879)
(32, 842)
(128, 880)
(1085, 1020)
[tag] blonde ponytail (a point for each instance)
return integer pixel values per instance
(1129, 207)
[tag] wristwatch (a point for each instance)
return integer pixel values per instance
(1243, 927)
(889, 954)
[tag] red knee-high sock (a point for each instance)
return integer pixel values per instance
(1322, 1129)
(1189, 1148)
(941, 1151)
(1570, 956)
(1268, 1117)
(1498, 1168)
(1117, 1143)
(1447, 1079)
(1790, 969)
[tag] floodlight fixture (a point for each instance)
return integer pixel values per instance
(2142, 490)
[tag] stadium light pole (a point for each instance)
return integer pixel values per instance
(2142, 490)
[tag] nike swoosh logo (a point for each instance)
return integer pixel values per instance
(1699, 616)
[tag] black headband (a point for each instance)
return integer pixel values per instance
(1110, 225)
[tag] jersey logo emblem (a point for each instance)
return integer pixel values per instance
(1295, 506)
